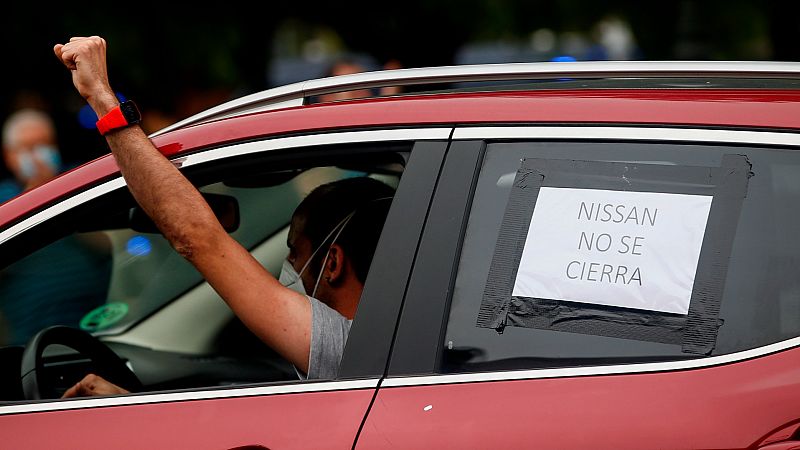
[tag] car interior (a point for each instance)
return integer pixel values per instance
(98, 290)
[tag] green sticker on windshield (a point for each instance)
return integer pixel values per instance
(104, 316)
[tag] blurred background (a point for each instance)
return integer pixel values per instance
(176, 59)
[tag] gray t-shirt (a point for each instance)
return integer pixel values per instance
(329, 331)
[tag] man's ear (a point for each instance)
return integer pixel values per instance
(334, 267)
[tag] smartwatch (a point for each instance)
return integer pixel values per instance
(123, 115)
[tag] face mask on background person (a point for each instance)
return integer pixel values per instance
(47, 155)
(290, 278)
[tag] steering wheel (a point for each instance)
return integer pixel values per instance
(35, 383)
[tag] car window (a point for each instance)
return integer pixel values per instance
(102, 267)
(105, 281)
(759, 301)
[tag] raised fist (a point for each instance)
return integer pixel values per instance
(85, 57)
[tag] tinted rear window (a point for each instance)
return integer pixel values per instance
(761, 298)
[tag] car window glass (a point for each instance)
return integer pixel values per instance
(760, 299)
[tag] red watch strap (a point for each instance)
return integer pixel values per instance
(112, 120)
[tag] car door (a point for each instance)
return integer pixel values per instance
(578, 372)
(277, 414)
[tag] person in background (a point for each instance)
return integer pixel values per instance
(64, 280)
(386, 91)
(29, 152)
(348, 67)
(345, 67)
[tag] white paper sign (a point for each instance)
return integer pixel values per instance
(629, 249)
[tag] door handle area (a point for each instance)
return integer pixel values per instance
(785, 438)
(785, 445)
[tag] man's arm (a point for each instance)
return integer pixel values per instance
(277, 315)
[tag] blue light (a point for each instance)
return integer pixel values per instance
(563, 58)
(138, 246)
(87, 117)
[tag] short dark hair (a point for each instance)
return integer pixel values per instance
(329, 204)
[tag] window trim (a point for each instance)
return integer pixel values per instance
(294, 387)
(670, 134)
(247, 148)
(791, 344)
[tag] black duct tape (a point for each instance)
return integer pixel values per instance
(696, 331)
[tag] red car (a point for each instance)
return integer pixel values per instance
(578, 255)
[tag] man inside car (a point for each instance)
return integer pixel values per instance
(331, 240)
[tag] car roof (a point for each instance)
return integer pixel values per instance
(301, 93)
(774, 109)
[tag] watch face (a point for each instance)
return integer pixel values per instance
(130, 112)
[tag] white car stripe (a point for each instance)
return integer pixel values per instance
(632, 368)
(141, 399)
(629, 133)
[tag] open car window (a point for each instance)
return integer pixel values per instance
(109, 279)
(126, 285)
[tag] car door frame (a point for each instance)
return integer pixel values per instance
(414, 383)
(366, 353)
(425, 311)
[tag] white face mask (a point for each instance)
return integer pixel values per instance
(293, 280)
(45, 154)
(290, 278)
